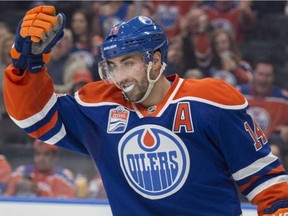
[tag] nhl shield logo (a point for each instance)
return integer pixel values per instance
(118, 120)
(154, 161)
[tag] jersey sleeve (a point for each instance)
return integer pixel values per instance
(33, 105)
(258, 173)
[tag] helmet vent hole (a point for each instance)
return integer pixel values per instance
(132, 43)
(157, 37)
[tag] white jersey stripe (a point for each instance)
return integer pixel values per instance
(166, 105)
(171, 97)
(97, 104)
(254, 167)
(38, 116)
(230, 107)
(57, 137)
(265, 185)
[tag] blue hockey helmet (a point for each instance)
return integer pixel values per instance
(139, 34)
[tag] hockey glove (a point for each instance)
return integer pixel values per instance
(35, 36)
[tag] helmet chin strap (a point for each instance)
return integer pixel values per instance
(151, 82)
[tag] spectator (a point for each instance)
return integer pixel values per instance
(59, 59)
(51, 181)
(63, 63)
(108, 13)
(96, 188)
(170, 15)
(86, 43)
(194, 73)
(196, 45)
(81, 186)
(175, 56)
(26, 187)
(147, 9)
(3, 29)
(227, 63)
(95, 51)
(80, 26)
(80, 78)
(268, 102)
(73, 64)
(6, 41)
(5, 174)
(89, 60)
(279, 149)
(236, 19)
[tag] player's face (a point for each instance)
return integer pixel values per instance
(63, 47)
(222, 43)
(79, 23)
(44, 159)
(129, 73)
(263, 77)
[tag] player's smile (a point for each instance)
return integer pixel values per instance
(133, 90)
(127, 87)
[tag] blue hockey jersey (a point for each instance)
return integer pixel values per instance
(180, 157)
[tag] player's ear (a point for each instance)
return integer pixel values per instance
(156, 60)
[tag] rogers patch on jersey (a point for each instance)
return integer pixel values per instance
(118, 119)
(154, 161)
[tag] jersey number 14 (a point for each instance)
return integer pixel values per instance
(257, 135)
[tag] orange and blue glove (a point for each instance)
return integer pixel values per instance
(35, 36)
(279, 208)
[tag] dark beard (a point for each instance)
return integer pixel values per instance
(137, 93)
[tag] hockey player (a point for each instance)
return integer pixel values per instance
(163, 146)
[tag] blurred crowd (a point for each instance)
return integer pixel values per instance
(241, 42)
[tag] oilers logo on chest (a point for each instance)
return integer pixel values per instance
(154, 161)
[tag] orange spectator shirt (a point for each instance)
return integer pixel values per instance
(229, 21)
(5, 173)
(169, 13)
(59, 183)
(270, 111)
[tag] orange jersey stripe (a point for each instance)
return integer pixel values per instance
(44, 129)
(253, 179)
(274, 192)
